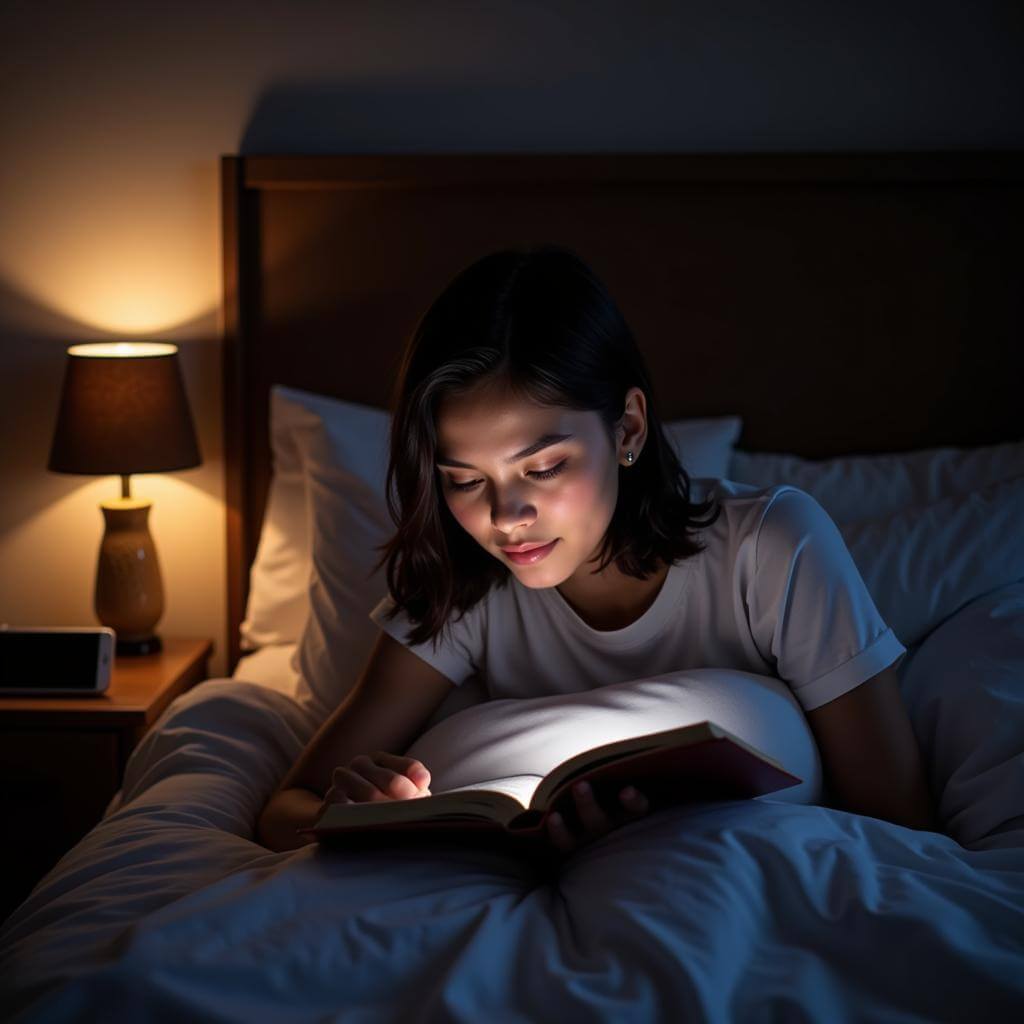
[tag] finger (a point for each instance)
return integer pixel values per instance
(335, 796)
(634, 801)
(415, 770)
(559, 833)
(327, 801)
(592, 817)
(356, 787)
(391, 783)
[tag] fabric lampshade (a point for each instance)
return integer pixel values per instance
(123, 410)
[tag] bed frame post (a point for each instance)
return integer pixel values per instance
(232, 223)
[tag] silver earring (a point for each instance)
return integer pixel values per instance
(629, 456)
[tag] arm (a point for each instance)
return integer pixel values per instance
(386, 710)
(870, 755)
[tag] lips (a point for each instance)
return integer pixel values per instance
(518, 549)
(528, 554)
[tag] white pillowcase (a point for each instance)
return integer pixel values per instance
(705, 446)
(312, 579)
(852, 487)
(923, 563)
(346, 469)
(278, 602)
(279, 580)
(530, 736)
(964, 691)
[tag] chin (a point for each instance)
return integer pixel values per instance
(540, 577)
(535, 582)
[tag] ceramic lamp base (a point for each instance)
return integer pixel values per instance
(129, 591)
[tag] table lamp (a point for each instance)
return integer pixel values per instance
(123, 410)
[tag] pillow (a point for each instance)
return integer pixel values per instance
(852, 487)
(279, 581)
(964, 691)
(530, 736)
(704, 446)
(346, 468)
(921, 564)
(279, 577)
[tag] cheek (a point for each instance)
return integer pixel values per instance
(583, 497)
(470, 515)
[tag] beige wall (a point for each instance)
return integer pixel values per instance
(112, 118)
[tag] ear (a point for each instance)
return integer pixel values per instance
(631, 429)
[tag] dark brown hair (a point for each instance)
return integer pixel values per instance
(541, 321)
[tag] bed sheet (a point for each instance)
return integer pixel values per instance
(749, 910)
(272, 666)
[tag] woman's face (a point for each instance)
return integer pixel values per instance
(505, 490)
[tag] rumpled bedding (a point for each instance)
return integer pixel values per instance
(728, 911)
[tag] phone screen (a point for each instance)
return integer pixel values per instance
(48, 659)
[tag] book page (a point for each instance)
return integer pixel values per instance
(519, 787)
(496, 800)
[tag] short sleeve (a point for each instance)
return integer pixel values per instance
(458, 649)
(810, 613)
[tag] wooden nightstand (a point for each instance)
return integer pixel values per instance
(63, 758)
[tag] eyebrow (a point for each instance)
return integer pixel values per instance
(539, 445)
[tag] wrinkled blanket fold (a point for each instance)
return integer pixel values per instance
(734, 910)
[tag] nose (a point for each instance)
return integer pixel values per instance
(509, 511)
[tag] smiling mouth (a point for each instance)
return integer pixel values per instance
(527, 554)
(519, 549)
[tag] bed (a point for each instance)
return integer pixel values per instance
(849, 324)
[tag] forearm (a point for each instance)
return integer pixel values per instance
(287, 810)
(870, 755)
(914, 806)
(902, 797)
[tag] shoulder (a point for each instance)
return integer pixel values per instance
(791, 518)
(734, 496)
(749, 509)
(797, 539)
(769, 525)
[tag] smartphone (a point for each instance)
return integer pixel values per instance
(43, 661)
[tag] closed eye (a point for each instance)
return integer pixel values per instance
(547, 474)
(539, 474)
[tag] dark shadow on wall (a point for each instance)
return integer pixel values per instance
(651, 105)
(360, 117)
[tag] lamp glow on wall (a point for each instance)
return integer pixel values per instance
(123, 410)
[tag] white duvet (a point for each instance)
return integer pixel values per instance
(734, 911)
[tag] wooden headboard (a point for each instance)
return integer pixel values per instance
(839, 302)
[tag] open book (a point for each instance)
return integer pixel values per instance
(694, 762)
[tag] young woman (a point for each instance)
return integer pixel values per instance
(547, 541)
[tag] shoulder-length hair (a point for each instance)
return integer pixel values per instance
(541, 321)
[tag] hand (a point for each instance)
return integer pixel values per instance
(592, 817)
(380, 776)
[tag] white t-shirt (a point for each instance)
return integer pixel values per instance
(775, 592)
